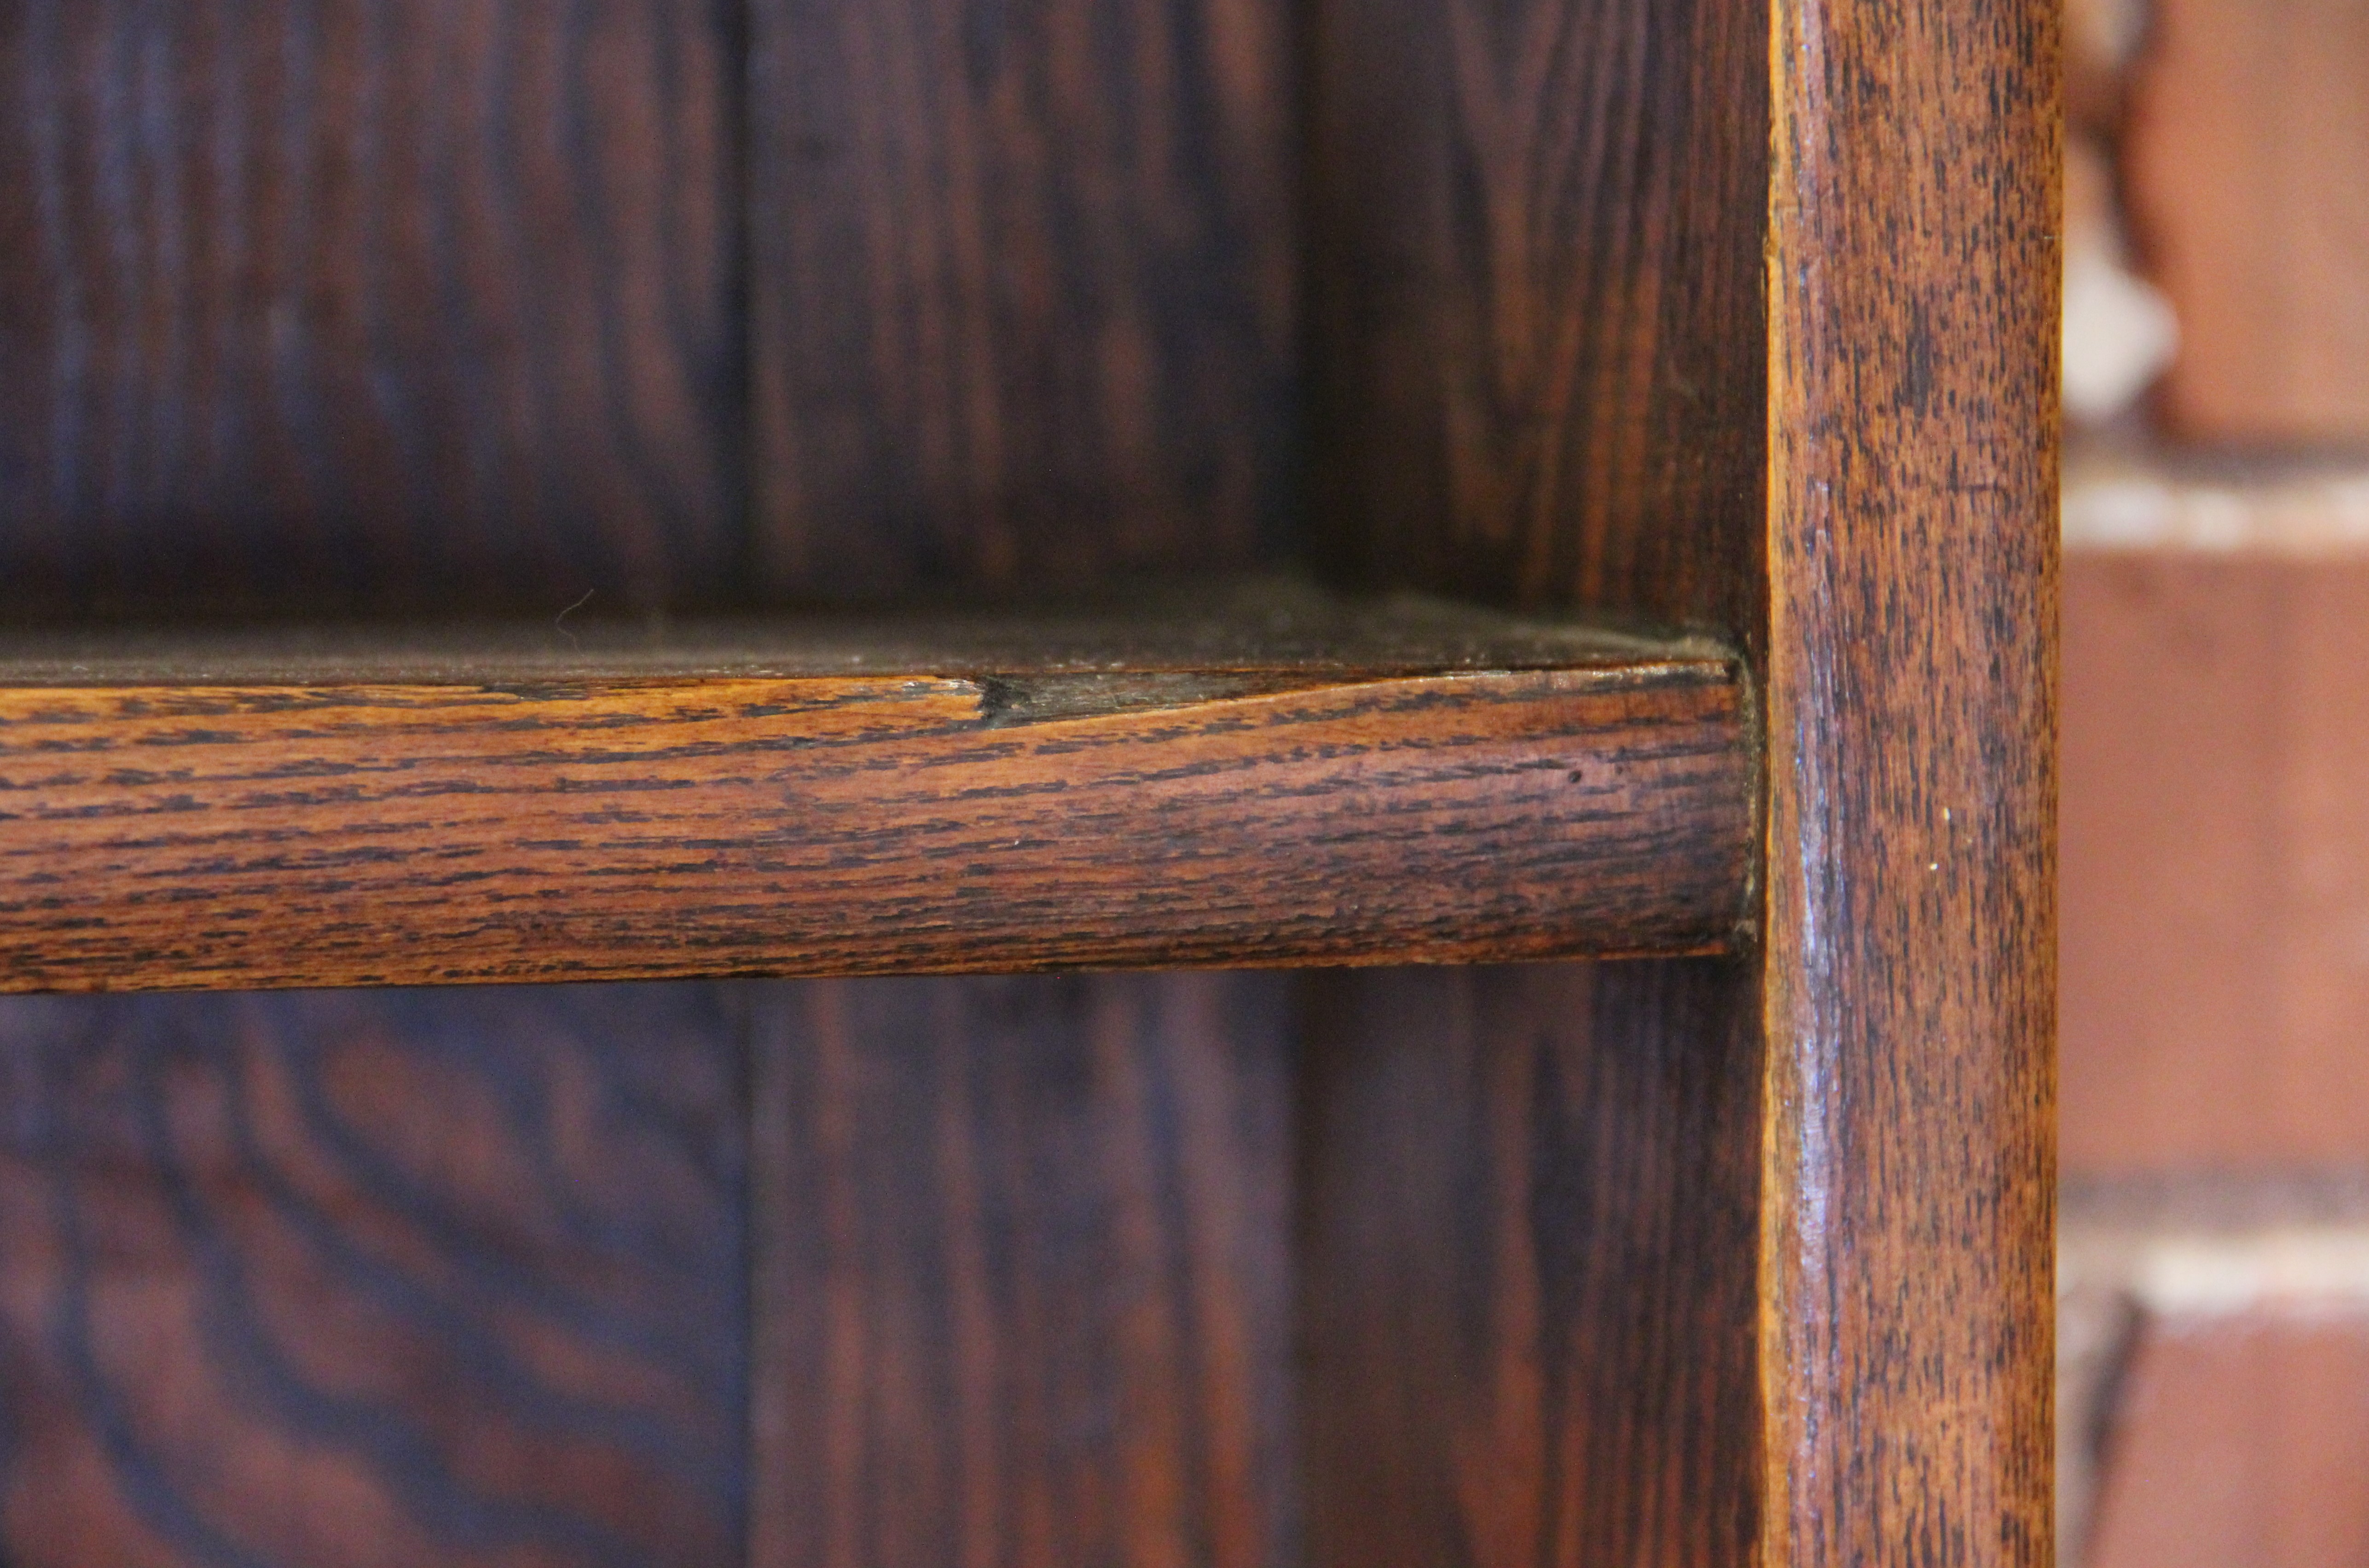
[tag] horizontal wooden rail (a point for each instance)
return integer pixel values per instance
(1279, 781)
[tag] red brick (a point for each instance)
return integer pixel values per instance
(2239, 1443)
(2247, 137)
(2215, 864)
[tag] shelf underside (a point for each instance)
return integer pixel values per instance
(1268, 778)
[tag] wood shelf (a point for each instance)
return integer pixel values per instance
(1268, 776)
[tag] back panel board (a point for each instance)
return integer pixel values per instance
(326, 304)
(440, 303)
(1024, 294)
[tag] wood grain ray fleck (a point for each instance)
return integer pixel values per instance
(366, 1280)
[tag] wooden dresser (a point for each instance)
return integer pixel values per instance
(1500, 554)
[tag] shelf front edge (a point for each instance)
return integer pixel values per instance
(167, 835)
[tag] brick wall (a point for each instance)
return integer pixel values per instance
(2214, 1323)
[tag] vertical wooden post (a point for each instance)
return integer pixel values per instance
(1909, 1000)
(1541, 375)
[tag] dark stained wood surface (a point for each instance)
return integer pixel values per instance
(1024, 291)
(1025, 316)
(1878, 535)
(1022, 313)
(342, 1280)
(1535, 293)
(1528, 1302)
(318, 303)
(1022, 1292)
(1530, 1221)
(401, 304)
(1910, 989)
(163, 834)
(1261, 627)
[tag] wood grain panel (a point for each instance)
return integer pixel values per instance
(1536, 299)
(291, 834)
(367, 303)
(1024, 298)
(1910, 985)
(403, 1278)
(1525, 372)
(1022, 1294)
(1025, 315)
(1529, 1339)
(1530, 1214)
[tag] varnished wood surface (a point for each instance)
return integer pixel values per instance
(158, 834)
(398, 303)
(1910, 988)
(1538, 368)
(1022, 1294)
(1024, 299)
(1261, 627)
(1025, 315)
(346, 1280)
(1018, 273)
(1526, 1295)
(1877, 534)
(1529, 1282)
